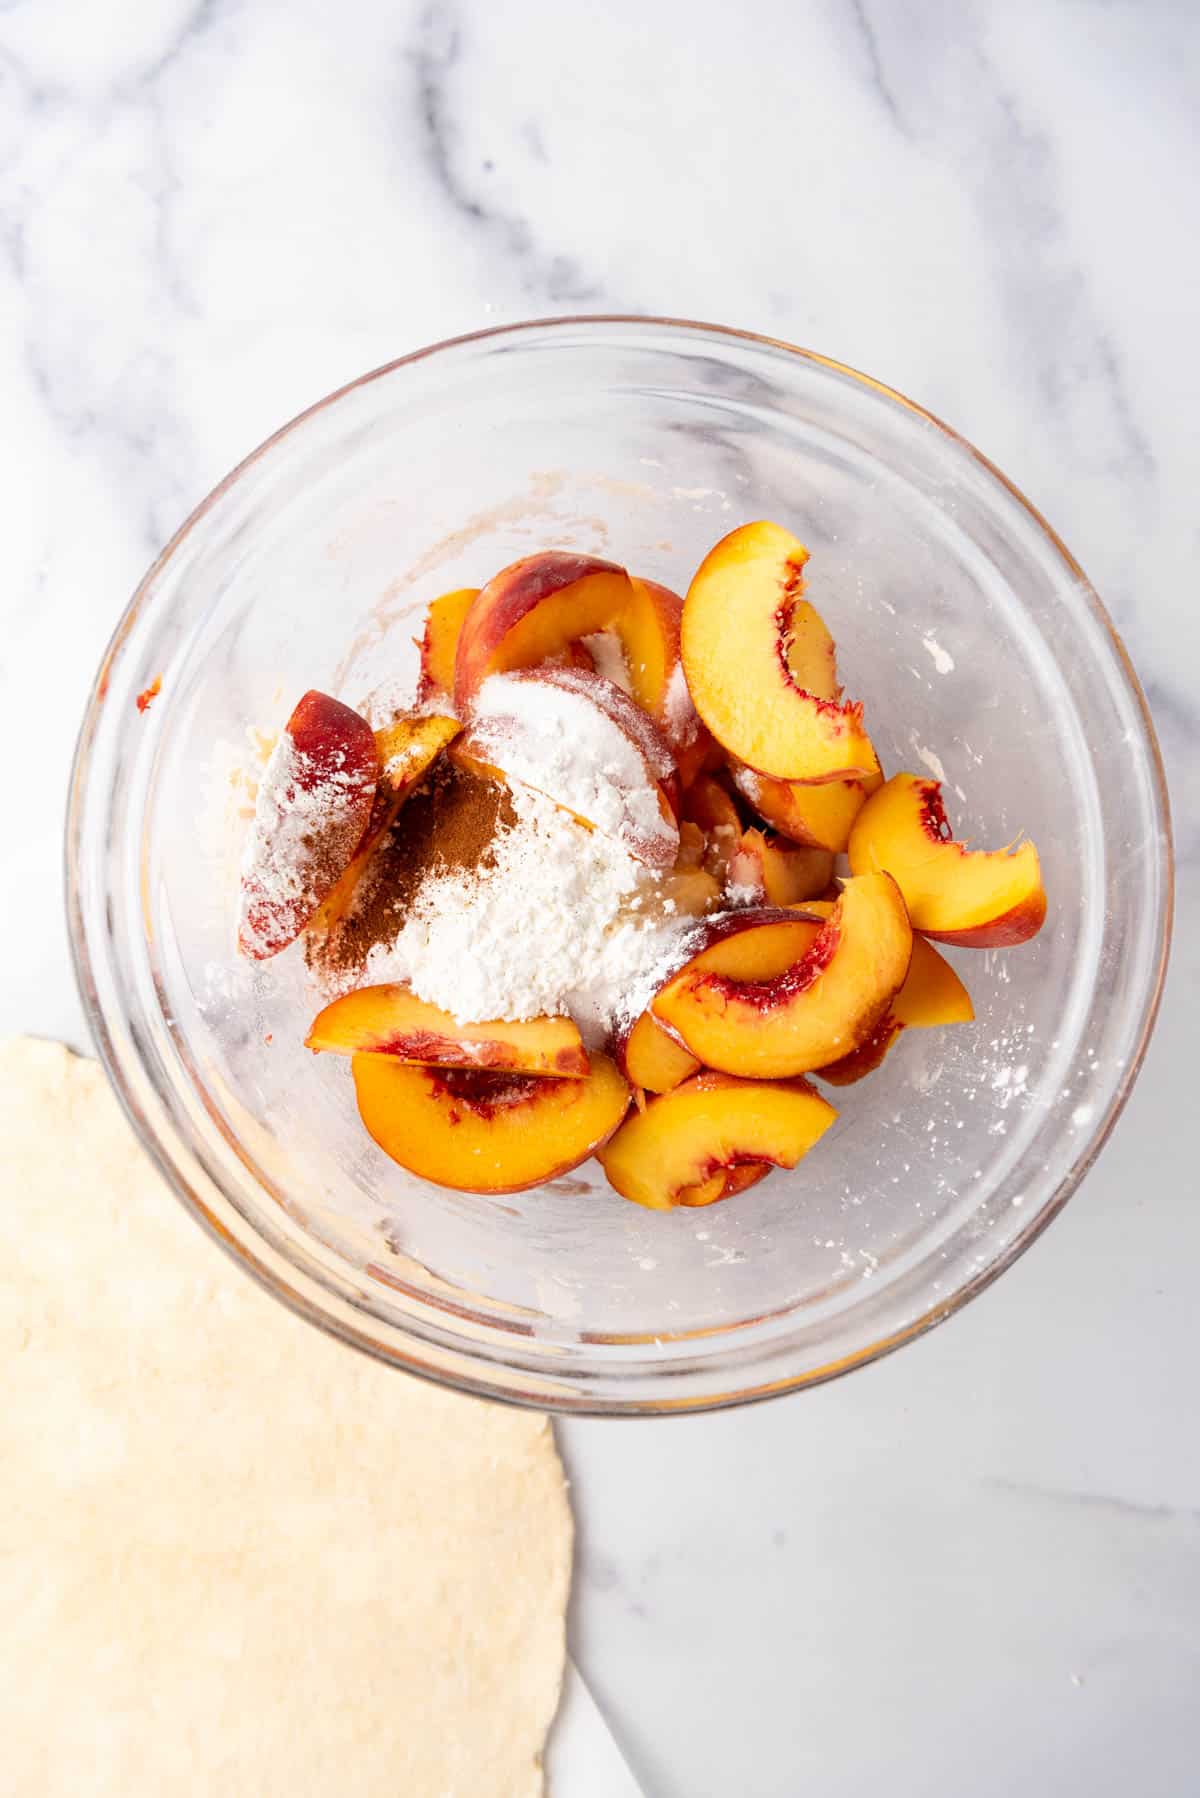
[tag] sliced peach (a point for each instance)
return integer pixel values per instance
(658, 681)
(932, 995)
(775, 872)
(736, 1011)
(588, 746)
(407, 750)
(672, 1152)
(439, 644)
(743, 1176)
(751, 943)
(391, 1020)
(705, 1192)
(314, 804)
(534, 609)
(692, 891)
(709, 805)
(482, 1132)
(470, 760)
(650, 1058)
(575, 655)
(689, 885)
(978, 898)
(759, 662)
(692, 845)
(869, 1055)
(818, 815)
(703, 755)
(725, 1184)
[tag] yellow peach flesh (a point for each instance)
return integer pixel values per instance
(819, 1006)
(391, 1020)
(973, 897)
(672, 1152)
(763, 703)
(486, 1132)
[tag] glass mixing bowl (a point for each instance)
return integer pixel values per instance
(981, 651)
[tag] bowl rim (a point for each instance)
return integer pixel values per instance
(243, 1253)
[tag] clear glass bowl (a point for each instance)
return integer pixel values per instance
(980, 649)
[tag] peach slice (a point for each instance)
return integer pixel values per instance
(753, 942)
(759, 662)
(651, 1058)
(391, 1020)
(708, 804)
(869, 1055)
(818, 816)
(978, 898)
(534, 609)
(723, 1185)
(658, 681)
(774, 872)
(705, 1192)
(575, 655)
(692, 891)
(486, 1132)
(407, 750)
(439, 644)
(737, 1009)
(692, 844)
(703, 755)
(314, 804)
(932, 995)
(588, 746)
(672, 1152)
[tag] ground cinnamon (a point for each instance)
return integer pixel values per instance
(447, 827)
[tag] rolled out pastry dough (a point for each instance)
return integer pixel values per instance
(237, 1557)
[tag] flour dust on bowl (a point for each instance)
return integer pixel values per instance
(988, 660)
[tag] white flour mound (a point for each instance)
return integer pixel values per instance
(579, 739)
(565, 923)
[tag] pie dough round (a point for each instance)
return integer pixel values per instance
(236, 1556)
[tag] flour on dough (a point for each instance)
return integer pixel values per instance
(236, 1556)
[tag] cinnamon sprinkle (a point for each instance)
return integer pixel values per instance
(448, 826)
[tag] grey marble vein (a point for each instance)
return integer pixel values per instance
(1128, 1508)
(1063, 343)
(433, 57)
(861, 19)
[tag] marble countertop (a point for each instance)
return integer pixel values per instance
(974, 1567)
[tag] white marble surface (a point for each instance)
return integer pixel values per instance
(975, 1567)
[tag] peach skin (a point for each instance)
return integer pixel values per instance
(771, 702)
(736, 1011)
(407, 750)
(682, 1147)
(314, 805)
(976, 898)
(483, 1132)
(391, 1020)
